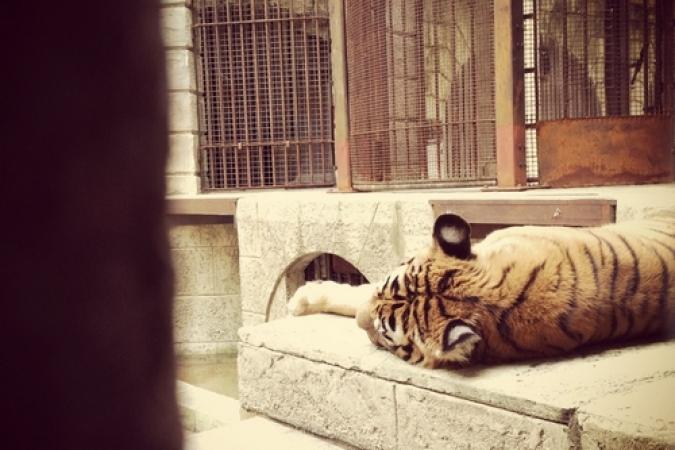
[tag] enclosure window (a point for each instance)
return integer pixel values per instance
(421, 91)
(332, 267)
(594, 58)
(266, 110)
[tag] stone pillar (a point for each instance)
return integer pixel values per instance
(182, 170)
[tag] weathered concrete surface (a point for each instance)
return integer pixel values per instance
(591, 399)
(207, 306)
(435, 421)
(182, 171)
(203, 410)
(258, 433)
(638, 416)
(320, 398)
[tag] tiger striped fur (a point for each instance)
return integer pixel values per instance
(523, 292)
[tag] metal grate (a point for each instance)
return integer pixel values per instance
(331, 267)
(530, 69)
(266, 112)
(593, 58)
(421, 91)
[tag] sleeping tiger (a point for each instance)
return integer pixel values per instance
(523, 292)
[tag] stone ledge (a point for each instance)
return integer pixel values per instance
(586, 400)
(203, 410)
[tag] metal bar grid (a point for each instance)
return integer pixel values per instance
(421, 90)
(531, 91)
(328, 266)
(597, 58)
(266, 106)
(591, 58)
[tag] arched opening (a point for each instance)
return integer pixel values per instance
(310, 267)
(329, 266)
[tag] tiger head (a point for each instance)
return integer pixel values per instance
(421, 312)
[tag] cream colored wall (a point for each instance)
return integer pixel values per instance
(207, 307)
(182, 171)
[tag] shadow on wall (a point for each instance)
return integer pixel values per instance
(310, 267)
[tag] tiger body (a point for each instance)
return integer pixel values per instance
(523, 292)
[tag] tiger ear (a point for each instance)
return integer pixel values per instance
(453, 236)
(459, 340)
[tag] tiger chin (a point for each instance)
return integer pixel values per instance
(521, 293)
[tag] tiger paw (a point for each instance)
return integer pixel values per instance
(308, 299)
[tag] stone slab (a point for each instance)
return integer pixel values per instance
(180, 70)
(258, 433)
(182, 112)
(176, 22)
(640, 416)
(549, 390)
(203, 410)
(320, 398)
(182, 184)
(183, 154)
(435, 421)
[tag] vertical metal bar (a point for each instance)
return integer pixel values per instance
(474, 95)
(232, 93)
(645, 56)
(535, 5)
(319, 92)
(668, 32)
(270, 108)
(453, 106)
(420, 117)
(244, 89)
(282, 73)
(406, 77)
(210, 95)
(310, 131)
(509, 93)
(220, 98)
(586, 78)
(390, 92)
(294, 68)
(565, 62)
(435, 18)
(659, 33)
(199, 54)
(259, 132)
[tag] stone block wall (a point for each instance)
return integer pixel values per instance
(182, 166)
(207, 309)
(279, 234)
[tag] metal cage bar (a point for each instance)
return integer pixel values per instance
(601, 106)
(266, 106)
(421, 92)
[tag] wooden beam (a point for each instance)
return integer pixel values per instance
(201, 206)
(340, 108)
(565, 212)
(509, 93)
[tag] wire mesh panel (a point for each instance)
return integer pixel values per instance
(331, 267)
(266, 113)
(595, 58)
(421, 91)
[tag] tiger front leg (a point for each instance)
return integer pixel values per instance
(330, 297)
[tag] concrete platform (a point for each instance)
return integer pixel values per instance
(258, 433)
(203, 410)
(321, 374)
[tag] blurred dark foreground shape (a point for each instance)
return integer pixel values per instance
(86, 281)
